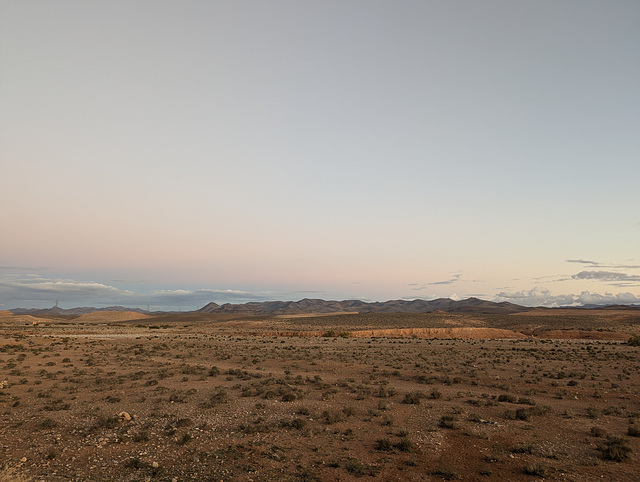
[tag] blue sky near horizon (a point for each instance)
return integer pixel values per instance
(174, 153)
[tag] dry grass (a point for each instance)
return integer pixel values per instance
(12, 474)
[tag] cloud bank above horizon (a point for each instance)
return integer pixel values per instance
(40, 292)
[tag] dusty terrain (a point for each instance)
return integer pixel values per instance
(525, 396)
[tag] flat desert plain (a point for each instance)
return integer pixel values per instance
(546, 394)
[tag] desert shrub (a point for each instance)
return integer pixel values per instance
(506, 398)
(107, 422)
(141, 436)
(56, 405)
(308, 476)
(218, 397)
(47, 423)
(446, 474)
(289, 397)
(525, 448)
(136, 463)
(613, 411)
(349, 411)
(191, 370)
(384, 445)
(387, 419)
(404, 445)
(184, 422)
(448, 421)
(298, 423)
(474, 417)
(359, 469)
(593, 412)
(384, 392)
(540, 410)
(634, 340)
(304, 411)
(509, 415)
(598, 432)
(537, 469)
(333, 417)
(413, 398)
(633, 431)
(616, 449)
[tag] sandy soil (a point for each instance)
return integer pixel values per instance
(188, 397)
(111, 316)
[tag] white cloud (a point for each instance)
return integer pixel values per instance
(586, 298)
(36, 288)
(543, 297)
(535, 297)
(36, 291)
(608, 276)
(597, 264)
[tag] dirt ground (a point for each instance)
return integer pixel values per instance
(397, 397)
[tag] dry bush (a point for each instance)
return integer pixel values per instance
(616, 449)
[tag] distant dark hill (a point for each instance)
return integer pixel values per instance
(612, 307)
(470, 305)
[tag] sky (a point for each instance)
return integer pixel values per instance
(172, 153)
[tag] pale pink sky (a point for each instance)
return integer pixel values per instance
(177, 153)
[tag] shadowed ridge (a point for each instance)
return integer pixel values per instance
(470, 305)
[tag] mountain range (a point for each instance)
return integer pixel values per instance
(445, 305)
(470, 305)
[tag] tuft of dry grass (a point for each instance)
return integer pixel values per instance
(10, 474)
